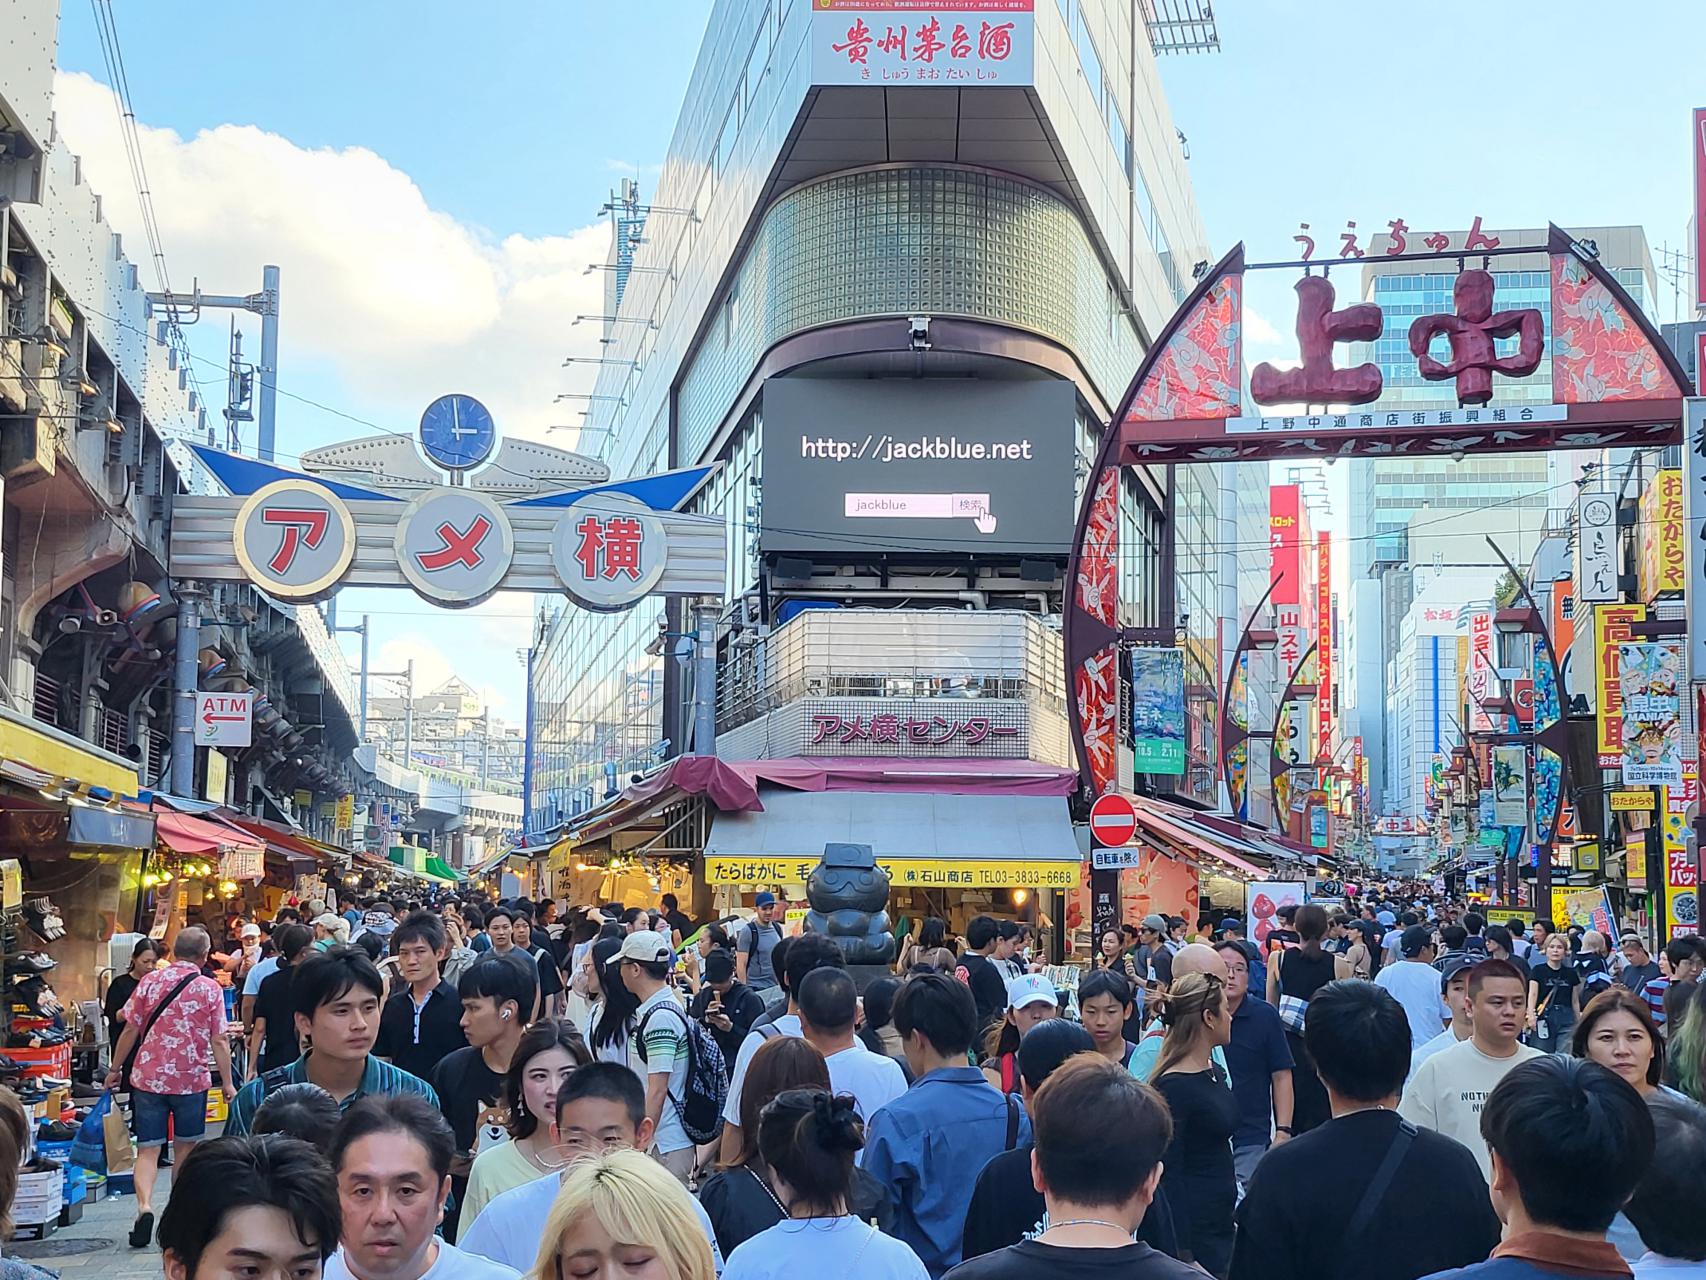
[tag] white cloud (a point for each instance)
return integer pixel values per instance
(1257, 329)
(397, 298)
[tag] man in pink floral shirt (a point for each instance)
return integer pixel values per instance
(174, 1019)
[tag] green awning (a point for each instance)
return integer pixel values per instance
(436, 866)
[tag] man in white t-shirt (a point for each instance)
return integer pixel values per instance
(829, 1005)
(601, 1107)
(660, 1033)
(1448, 1090)
(1414, 983)
(391, 1154)
(807, 952)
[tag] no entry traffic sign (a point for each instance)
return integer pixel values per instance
(1113, 820)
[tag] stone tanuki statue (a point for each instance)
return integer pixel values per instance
(849, 895)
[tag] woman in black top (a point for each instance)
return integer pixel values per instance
(1552, 989)
(1197, 1172)
(143, 957)
(738, 1198)
(1292, 983)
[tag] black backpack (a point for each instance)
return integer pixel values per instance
(701, 1109)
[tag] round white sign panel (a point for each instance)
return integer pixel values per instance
(454, 546)
(294, 539)
(610, 550)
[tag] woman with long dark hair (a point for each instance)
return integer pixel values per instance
(809, 1138)
(932, 936)
(879, 1033)
(1031, 1001)
(1301, 972)
(1198, 1176)
(740, 1198)
(612, 1017)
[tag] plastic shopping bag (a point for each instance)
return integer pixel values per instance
(89, 1148)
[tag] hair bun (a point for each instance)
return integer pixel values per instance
(837, 1122)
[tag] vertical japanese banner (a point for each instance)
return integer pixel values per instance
(1510, 785)
(1662, 564)
(1694, 517)
(1651, 714)
(1158, 710)
(1480, 680)
(1610, 630)
(1285, 547)
(1596, 547)
(1324, 630)
(923, 42)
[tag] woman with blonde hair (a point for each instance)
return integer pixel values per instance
(623, 1214)
(1197, 1171)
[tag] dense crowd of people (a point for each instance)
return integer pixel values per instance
(459, 1089)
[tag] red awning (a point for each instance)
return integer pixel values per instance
(280, 840)
(732, 785)
(198, 837)
(1156, 822)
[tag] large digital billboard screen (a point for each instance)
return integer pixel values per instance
(918, 466)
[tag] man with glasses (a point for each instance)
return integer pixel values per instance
(1260, 1064)
(601, 1107)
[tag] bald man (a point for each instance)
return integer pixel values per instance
(1195, 957)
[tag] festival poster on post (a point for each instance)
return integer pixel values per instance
(1158, 710)
(1262, 903)
(1590, 908)
(1651, 726)
(1510, 785)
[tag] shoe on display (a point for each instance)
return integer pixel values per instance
(44, 920)
(30, 962)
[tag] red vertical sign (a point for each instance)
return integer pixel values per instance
(1324, 624)
(1698, 158)
(1285, 542)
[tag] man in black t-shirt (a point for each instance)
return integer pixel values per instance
(422, 1021)
(1433, 1215)
(675, 921)
(272, 1040)
(497, 992)
(988, 989)
(1099, 1136)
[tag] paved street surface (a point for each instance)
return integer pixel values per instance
(96, 1246)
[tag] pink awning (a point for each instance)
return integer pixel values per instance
(732, 785)
(196, 837)
(1150, 817)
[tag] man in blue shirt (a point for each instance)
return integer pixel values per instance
(928, 1145)
(1259, 1061)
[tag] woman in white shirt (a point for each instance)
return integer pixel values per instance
(809, 1138)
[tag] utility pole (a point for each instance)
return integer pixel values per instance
(186, 308)
(705, 681)
(408, 712)
(362, 627)
(485, 745)
(186, 678)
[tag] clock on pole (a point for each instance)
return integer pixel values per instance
(457, 432)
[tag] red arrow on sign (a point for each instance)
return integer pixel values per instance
(208, 718)
(1113, 820)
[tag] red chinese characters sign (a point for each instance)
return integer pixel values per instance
(950, 42)
(1324, 630)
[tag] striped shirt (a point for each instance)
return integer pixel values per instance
(1654, 994)
(378, 1077)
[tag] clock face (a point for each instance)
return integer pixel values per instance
(457, 432)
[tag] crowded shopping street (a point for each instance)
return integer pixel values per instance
(866, 639)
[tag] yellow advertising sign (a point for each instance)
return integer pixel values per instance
(345, 816)
(218, 775)
(932, 873)
(1610, 629)
(1661, 563)
(1589, 908)
(1632, 801)
(1586, 856)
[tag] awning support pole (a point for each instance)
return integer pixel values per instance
(185, 679)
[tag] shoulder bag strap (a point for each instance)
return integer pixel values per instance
(160, 1008)
(1377, 1188)
(1012, 1122)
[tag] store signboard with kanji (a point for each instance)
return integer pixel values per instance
(1650, 709)
(371, 513)
(1610, 632)
(925, 43)
(1662, 562)
(1596, 546)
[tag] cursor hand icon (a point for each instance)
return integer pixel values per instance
(985, 523)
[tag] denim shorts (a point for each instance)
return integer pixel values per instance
(187, 1112)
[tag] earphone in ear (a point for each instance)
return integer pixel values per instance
(505, 1015)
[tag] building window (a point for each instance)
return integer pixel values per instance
(726, 140)
(755, 61)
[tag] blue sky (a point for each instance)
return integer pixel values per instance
(472, 148)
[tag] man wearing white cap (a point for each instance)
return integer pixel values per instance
(661, 1032)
